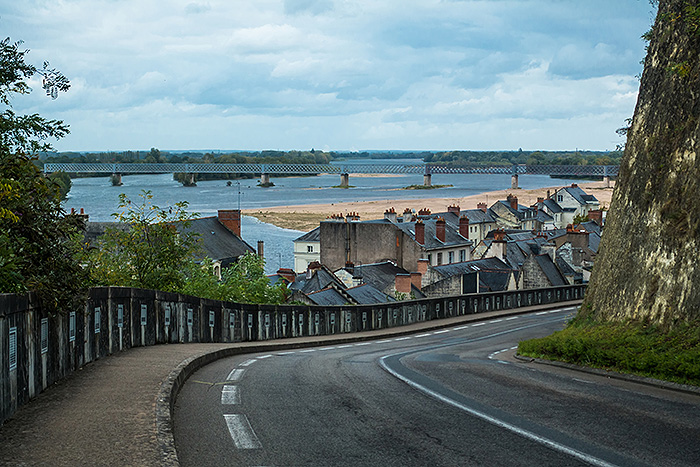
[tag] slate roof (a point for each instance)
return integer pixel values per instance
(320, 279)
(550, 270)
(327, 297)
(452, 236)
(366, 294)
(475, 216)
(311, 236)
(494, 274)
(217, 241)
(552, 206)
(380, 275)
(581, 196)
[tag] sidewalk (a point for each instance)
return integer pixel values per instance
(105, 414)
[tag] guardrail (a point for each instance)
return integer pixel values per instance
(36, 349)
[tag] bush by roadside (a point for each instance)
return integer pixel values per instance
(628, 347)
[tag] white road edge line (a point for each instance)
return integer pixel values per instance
(230, 395)
(249, 362)
(478, 324)
(286, 353)
(241, 432)
(235, 374)
(403, 338)
(265, 356)
(460, 328)
(500, 423)
(512, 317)
(443, 331)
(496, 321)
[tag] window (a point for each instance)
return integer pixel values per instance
(430, 258)
(560, 198)
(309, 248)
(439, 259)
(451, 257)
(462, 256)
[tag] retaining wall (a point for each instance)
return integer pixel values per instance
(37, 350)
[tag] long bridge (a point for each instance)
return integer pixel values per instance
(344, 170)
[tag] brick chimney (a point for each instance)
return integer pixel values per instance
(499, 245)
(464, 227)
(440, 229)
(424, 212)
(420, 232)
(482, 206)
(231, 219)
(596, 216)
(513, 200)
(499, 235)
(261, 248)
(423, 266)
(454, 209)
(390, 215)
(416, 280)
(287, 273)
(403, 283)
(540, 200)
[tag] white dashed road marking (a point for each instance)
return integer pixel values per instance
(230, 395)
(265, 356)
(241, 432)
(442, 331)
(249, 362)
(478, 324)
(235, 374)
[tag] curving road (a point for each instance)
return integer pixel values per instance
(448, 397)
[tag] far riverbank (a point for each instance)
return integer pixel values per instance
(307, 216)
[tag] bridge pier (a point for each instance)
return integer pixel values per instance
(190, 180)
(427, 179)
(514, 182)
(344, 180)
(606, 180)
(265, 180)
(116, 179)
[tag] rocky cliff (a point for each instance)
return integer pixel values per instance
(649, 261)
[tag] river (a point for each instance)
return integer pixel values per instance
(99, 198)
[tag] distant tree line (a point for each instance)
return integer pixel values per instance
(505, 158)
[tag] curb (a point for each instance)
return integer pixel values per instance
(632, 378)
(170, 387)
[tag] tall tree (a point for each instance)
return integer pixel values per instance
(38, 242)
(647, 266)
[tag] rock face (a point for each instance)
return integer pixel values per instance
(649, 261)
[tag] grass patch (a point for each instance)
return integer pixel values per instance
(630, 347)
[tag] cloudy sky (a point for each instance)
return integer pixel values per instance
(335, 74)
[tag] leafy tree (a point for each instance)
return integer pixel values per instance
(145, 249)
(39, 244)
(245, 281)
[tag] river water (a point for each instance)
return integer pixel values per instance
(99, 198)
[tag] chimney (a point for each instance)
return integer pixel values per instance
(596, 216)
(454, 209)
(548, 194)
(423, 266)
(482, 206)
(464, 227)
(287, 273)
(440, 229)
(420, 232)
(313, 265)
(499, 245)
(513, 200)
(261, 248)
(540, 200)
(390, 215)
(403, 283)
(424, 212)
(231, 219)
(416, 279)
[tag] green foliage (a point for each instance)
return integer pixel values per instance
(39, 244)
(63, 183)
(145, 249)
(629, 347)
(245, 281)
(507, 158)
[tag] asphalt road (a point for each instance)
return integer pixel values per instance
(450, 397)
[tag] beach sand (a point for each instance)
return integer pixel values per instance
(307, 217)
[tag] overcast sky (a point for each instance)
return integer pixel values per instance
(335, 74)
